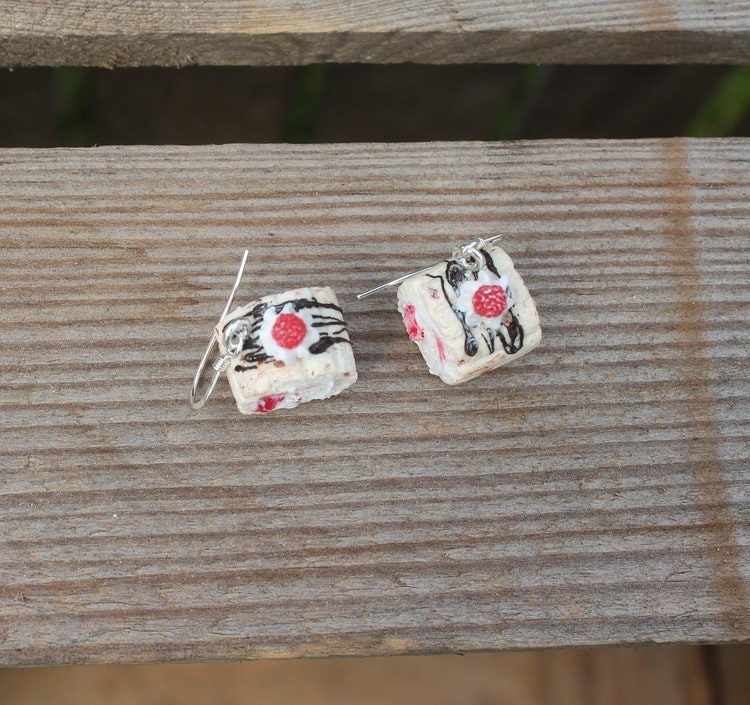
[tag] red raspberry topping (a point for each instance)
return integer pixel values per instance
(489, 301)
(410, 321)
(269, 403)
(288, 330)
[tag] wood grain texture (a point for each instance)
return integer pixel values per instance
(177, 32)
(594, 493)
(729, 666)
(657, 675)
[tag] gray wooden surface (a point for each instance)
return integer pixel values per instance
(179, 32)
(594, 493)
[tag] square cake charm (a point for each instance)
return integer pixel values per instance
(295, 348)
(466, 322)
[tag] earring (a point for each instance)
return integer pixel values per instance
(279, 351)
(469, 314)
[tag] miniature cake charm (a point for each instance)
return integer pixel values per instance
(469, 314)
(281, 350)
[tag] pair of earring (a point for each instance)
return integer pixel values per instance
(468, 315)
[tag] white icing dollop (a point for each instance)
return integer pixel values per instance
(484, 299)
(278, 345)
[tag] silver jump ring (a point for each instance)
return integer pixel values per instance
(470, 256)
(235, 334)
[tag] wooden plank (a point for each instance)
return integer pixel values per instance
(177, 33)
(594, 493)
(730, 670)
(659, 675)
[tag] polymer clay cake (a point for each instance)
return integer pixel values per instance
(296, 348)
(465, 322)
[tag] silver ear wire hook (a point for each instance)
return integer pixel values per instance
(221, 362)
(468, 256)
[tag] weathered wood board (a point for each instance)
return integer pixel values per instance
(177, 32)
(656, 675)
(594, 493)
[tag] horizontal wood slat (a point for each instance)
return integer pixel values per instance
(177, 33)
(596, 492)
(657, 675)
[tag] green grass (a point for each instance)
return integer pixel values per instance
(305, 102)
(74, 106)
(528, 87)
(719, 116)
(725, 108)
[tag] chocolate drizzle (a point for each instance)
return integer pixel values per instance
(509, 332)
(331, 327)
(325, 342)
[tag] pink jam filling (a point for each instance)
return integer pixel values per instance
(440, 348)
(269, 403)
(410, 321)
